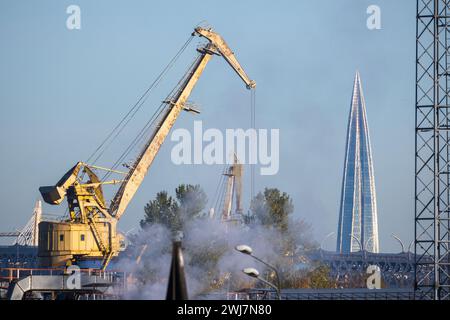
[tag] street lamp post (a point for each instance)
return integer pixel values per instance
(249, 251)
(252, 272)
(361, 248)
(400, 241)
(322, 242)
(366, 244)
(325, 238)
(409, 249)
(410, 245)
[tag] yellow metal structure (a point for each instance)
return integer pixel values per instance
(233, 189)
(91, 230)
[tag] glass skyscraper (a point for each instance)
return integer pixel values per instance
(358, 226)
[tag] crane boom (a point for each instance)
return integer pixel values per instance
(217, 40)
(140, 167)
(91, 231)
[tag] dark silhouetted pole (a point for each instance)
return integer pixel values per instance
(177, 289)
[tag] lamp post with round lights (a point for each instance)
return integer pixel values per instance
(252, 272)
(245, 249)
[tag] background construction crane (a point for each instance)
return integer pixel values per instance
(91, 229)
(227, 198)
(233, 188)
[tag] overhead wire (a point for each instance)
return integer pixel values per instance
(143, 140)
(253, 126)
(115, 132)
(160, 112)
(215, 203)
(149, 127)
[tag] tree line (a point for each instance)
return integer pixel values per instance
(271, 210)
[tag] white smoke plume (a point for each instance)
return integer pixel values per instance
(203, 237)
(212, 265)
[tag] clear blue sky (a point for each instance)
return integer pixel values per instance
(61, 91)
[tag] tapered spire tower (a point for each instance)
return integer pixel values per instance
(358, 226)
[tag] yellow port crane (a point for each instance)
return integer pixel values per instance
(91, 229)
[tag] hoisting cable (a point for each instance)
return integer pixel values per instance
(143, 138)
(253, 126)
(130, 114)
(219, 190)
(221, 199)
(150, 123)
(134, 142)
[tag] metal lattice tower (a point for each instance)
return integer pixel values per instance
(432, 165)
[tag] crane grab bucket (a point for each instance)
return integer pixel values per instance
(52, 194)
(55, 194)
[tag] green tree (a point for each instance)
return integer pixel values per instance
(174, 213)
(272, 208)
(293, 240)
(162, 210)
(320, 278)
(192, 201)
